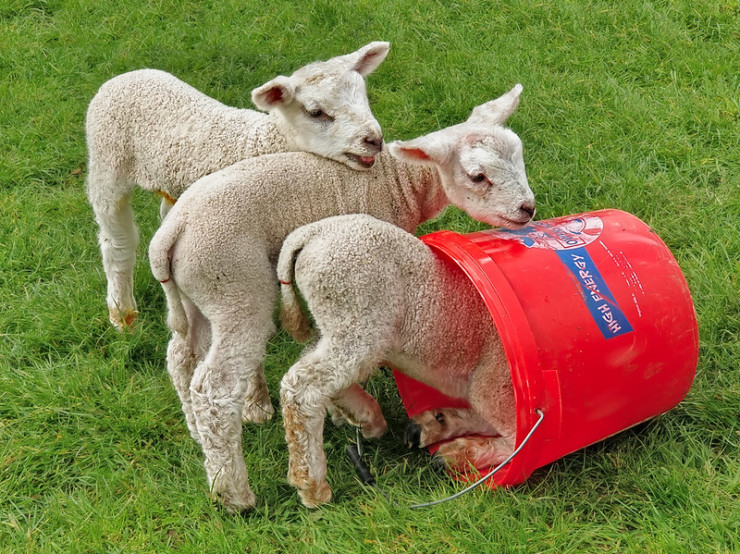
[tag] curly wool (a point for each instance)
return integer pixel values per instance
(215, 255)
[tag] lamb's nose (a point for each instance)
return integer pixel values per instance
(412, 434)
(374, 141)
(528, 208)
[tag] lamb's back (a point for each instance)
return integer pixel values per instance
(169, 132)
(267, 197)
(358, 271)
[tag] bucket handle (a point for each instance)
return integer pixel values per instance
(490, 473)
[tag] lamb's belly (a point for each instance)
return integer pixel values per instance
(445, 379)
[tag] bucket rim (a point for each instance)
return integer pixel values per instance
(517, 340)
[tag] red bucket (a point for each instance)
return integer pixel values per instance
(597, 323)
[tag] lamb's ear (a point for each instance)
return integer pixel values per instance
(432, 149)
(497, 111)
(368, 58)
(273, 93)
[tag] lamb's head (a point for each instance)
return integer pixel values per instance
(323, 107)
(480, 163)
(441, 424)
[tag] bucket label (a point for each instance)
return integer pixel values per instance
(599, 300)
(575, 232)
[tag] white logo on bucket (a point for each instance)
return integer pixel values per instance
(575, 232)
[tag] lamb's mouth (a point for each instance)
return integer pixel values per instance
(514, 224)
(363, 161)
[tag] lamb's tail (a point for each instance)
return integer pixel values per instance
(160, 258)
(293, 316)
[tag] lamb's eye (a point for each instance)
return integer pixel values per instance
(319, 115)
(478, 178)
(440, 417)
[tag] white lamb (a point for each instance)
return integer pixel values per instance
(379, 296)
(147, 128)
(216, 251)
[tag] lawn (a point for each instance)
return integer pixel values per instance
(632, 105)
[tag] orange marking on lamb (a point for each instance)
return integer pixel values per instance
(169, 199)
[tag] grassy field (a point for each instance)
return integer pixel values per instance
(632, 105)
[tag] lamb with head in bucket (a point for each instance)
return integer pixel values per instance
(380, 296)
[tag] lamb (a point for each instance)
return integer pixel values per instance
(380, 296)
(150, 129)
(216, 251)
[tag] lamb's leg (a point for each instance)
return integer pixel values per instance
(491, 394)
(118, 237)
(304, 401)
(218, 388)
(310, 385)
(216, 392)
(257, 404)
(181, 362)
(355, 405)
(183, 353)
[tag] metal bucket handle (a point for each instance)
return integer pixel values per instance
(493, 471)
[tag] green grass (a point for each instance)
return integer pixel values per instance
(632, 105)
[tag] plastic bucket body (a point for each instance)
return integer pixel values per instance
(596, 321)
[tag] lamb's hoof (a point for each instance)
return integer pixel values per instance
(315, 494)
(438, 464)
(236, 503)
(122, 321)
(257, 412)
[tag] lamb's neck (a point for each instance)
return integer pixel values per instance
(416, 191)
(267, 136)
(450, 326)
